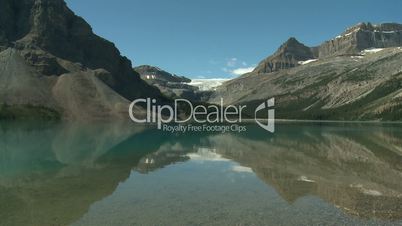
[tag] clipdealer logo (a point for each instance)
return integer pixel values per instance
(270, 126)
(201, 118)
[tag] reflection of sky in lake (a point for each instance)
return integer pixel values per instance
(204, 190)
(114, 174)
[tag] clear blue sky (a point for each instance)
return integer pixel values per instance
(213, 38)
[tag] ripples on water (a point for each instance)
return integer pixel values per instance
(114, 174)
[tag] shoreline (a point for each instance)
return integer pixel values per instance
(331, 121)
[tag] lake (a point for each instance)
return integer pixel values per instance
(119, 174)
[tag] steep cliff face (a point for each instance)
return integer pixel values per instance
(50, 26)
(363, 36)
(355, 39)
(54, 40)
(56, 46)
(289, 55)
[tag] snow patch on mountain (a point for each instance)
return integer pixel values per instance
(307, 61)
(373, 50)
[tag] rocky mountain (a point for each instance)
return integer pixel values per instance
(355, 39)
(53, 65)
(363, 36)
(171, 85)
(289, 55)
(364, 84)
(155, 74)
(51, 59)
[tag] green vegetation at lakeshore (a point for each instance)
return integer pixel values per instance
(27, 112)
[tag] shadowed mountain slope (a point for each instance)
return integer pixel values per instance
(44, 46)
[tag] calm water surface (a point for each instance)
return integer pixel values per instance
(115, 174)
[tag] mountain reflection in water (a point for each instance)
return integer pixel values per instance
(60, 174)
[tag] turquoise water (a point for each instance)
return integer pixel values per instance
(118, 174)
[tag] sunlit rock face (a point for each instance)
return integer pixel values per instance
(363, 36)
(287, 56)
(355, 76)
(355, 39)
(364, 86)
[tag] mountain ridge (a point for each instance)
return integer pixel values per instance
(53, 42)
(287, 56)
(51, 59)
(353, 40)
(148, 72)
(363, 86)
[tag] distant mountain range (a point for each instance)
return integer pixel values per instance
(355, 76)
(174, 86)
(52, 65)
(154, 74)
(171, 85)
(355, 39)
